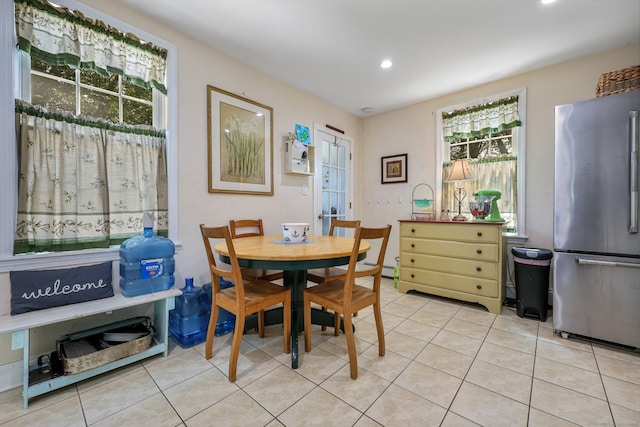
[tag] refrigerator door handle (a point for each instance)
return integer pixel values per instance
(583, 261)
(633, 172)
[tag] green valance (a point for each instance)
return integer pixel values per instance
(64, 116)
(505, 158)
(59, 36)
(481, 120)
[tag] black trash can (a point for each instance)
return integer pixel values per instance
(532, 281)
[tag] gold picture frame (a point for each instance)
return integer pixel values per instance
(394, 169)
(240, 146)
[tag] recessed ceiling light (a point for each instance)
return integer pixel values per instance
(386, 64)
(366, 110)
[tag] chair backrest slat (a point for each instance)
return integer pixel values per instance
(342, 223)
(246, 228)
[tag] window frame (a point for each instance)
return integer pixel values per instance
(13, 87)
(520, 140)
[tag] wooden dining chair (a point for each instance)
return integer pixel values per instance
(247, 228)
(322, 275)
(244, 298)
(345, 296)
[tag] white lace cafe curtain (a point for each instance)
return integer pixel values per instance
(59, 36)
(75, 188)
(496, 174)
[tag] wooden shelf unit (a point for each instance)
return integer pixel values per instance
(20, 326)
(300, 162)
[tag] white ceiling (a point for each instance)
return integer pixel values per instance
(333, 48)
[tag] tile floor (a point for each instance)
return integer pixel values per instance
(447, 364)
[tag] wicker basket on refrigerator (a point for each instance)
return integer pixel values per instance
(624, 80)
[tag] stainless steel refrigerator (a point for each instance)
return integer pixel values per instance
(596, 262)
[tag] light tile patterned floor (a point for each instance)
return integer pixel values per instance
(447, 364)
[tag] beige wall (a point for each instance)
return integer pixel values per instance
(412, 130)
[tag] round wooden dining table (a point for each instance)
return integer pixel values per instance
(294, 259)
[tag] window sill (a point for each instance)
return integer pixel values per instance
(517, 240)
(61, 259)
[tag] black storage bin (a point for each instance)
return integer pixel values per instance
(532, 281)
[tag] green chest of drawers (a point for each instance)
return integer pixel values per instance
(455, 260)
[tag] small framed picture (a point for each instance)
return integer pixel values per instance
(394, 169)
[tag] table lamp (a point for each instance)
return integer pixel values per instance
(460, 171)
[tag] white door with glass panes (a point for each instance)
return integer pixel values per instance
(333, 186)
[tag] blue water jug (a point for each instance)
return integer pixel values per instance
(146, 262)
(189, 320)
(226, 321)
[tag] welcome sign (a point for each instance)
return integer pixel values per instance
(39, 289)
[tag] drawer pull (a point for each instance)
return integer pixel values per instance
(479, 251)
(413, 245)
(413, 230)
(412, 260)
(478, 268)
(479, 233)
(413, 276)
(478, 286)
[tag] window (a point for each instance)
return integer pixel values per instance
(87, 91)
(489, 146)
(489, 134)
